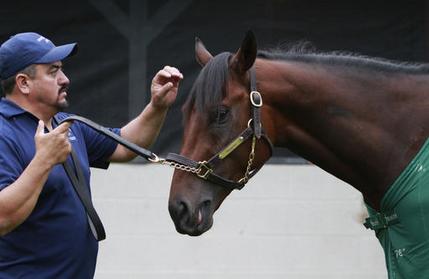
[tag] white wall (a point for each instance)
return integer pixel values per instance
(294, 222)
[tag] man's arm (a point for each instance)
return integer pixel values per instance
(18, 200)
(144, 129)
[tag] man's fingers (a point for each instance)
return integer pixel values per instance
(163, 91)
(63, 127)
(169, 73)
(161, 76)
(40, 128)
(174, 72)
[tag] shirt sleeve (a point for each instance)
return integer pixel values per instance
(11, 166)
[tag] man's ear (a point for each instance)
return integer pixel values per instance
(23, 83)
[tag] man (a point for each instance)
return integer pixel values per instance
(44, 229)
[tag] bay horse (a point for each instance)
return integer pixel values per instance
(361, 119)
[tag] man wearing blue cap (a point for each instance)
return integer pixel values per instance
(44, 229)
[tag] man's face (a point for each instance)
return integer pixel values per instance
(49, 86)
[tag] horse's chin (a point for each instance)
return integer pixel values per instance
(194, 230)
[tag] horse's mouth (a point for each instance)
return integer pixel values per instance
(195, 230)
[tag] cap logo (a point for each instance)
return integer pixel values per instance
(41, 38)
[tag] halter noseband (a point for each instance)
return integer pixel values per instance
(204, 169)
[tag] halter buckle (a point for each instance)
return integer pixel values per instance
(203, 170)
(256, 99)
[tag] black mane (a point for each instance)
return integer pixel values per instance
(304, 53)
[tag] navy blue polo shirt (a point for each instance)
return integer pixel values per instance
(55, 241)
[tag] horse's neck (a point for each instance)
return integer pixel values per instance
(362, 130)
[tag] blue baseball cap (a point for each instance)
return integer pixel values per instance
(25, 49)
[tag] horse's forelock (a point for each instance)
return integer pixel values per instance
(208, 88)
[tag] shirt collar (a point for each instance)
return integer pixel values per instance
(10, 109)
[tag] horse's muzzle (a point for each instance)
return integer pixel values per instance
(191, 221)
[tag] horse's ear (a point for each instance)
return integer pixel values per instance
(202, 55)
(245, 56)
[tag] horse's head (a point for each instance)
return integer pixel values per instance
(223, 145)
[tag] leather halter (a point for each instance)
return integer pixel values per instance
(254, 131)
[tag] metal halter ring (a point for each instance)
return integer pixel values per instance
(256, 102)
(250, 121)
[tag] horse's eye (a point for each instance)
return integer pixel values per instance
(222, 115)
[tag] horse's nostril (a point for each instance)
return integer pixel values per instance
(178, 209)
(182, 209)
(206, 203)
(206, 206)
